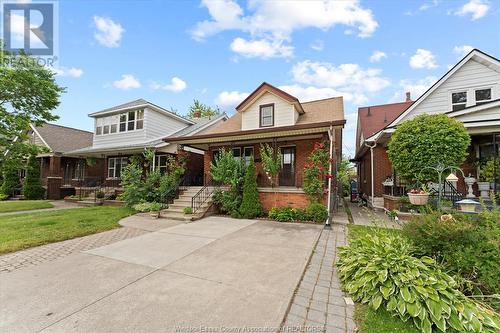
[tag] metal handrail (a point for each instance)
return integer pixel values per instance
(203, 195)
(449, 192)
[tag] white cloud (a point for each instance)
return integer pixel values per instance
(377, 56)
(346, 78)
(71, 72)
(262, 48)
(415, 87)
(230, 99)
(176, 85)
(109, 33)
(127, 82)
(318, 45)
(476, 8)
(462, 50)
(277, 20)
(423, 59)
(311, 93)
(424, 7)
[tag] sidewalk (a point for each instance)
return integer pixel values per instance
(319, 303)
(371, 218)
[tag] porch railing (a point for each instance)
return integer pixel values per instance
(203, 195)
(449, 192)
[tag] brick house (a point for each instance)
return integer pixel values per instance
(270, 115)
(469, 92)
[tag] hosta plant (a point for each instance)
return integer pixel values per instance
(378, 269)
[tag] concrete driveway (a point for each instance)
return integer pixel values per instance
(215, 274)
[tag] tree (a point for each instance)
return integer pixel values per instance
(200, 110)
(427, 141)
(316, 171)
(344, 171)
(33, 189)
(28, 94)
(250, 205)
(271, 163)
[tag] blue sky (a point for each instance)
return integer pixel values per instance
(170, 52)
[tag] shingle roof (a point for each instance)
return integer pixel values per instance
(61, 139)
(320, 111)
(198, 123)
(374, 118)
(130, 104)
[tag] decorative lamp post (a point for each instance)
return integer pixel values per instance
(440, 169)
(468, 205)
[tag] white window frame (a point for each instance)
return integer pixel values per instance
(245, 157)
(158, 165)
(123, 162)
(461, 103)
(486, 100)
(111, 124)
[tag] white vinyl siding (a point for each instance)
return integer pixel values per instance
(147, 126)
(469, 78)
(284, 112)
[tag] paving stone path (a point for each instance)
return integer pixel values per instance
(49, 252)
(319, 304)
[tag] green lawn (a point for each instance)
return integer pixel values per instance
(22, 231)
(18, 205)
(368, 320)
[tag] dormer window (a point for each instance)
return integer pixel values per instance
(267, 115)
(458, 100)
(483, 96)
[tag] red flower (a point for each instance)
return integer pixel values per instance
(329, 176)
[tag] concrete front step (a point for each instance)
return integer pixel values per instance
(176, 216)
(182, 205)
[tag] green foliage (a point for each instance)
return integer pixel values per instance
(188, 210)
(33, 189)
(28, 94)
(427, 140)
(377, 269)
(10, 179)
(250, 205)
(271, 162)
(228, 171)
(200, 110)
(3, 197)
(91, 161)
(131, 180)
(371, 321)
(99, 195)
(317, 212)
(149, 207)
(315, 172)
(344, 171)
(487, 170)
(468, 247)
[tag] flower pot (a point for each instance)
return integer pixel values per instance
(418, 199)
(484, 188)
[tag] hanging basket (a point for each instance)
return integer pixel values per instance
(418, 199)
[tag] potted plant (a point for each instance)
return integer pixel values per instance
(418, 196)
(155, 209)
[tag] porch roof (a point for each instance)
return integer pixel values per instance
(202, 141)
(123, 149)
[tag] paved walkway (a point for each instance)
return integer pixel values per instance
(58, 205)
(319, 303)
(368, 217)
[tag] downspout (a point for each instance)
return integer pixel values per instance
(330, 170)
(372, 171)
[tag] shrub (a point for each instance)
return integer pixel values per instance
(10, 179)
(467, 247)
(427, 140)
(3, 197)
(99, 195)
(317, 212)
(250, 205)
(315, 172)
(33, 189)
(148, 207)
(188, 210)
(378, 269)
(133, 188)
(288, 214)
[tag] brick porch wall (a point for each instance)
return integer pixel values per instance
(285, 199)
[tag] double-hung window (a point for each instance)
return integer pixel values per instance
(458, 100)
(115, 165)
(483, 96)
(237, 153)
(98, 126)
(161, 163)
(266, 115)
(123, 122)
(247, 154)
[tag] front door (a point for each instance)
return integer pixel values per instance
(287, 174)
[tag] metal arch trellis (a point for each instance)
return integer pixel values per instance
(440, 169)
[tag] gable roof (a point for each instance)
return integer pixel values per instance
(61, 139)
(137, 104)
(475, 54)
(266, 87)
(199, 125)
(376, 117)
(324, 112)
